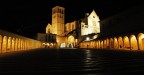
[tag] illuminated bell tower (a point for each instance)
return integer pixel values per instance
(58, 20)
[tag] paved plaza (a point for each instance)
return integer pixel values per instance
(72, 61)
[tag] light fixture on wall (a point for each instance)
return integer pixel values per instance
(87, 39)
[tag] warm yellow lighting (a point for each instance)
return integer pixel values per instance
(141, 37)
(52, 44)
(71, 39)
(133, 42)
(4, 40)
(141, 41)
(93, 25)
(47, 44)
(87, 38)
(94, 37)
(76, 40)
(43, 43)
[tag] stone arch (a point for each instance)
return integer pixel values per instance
(133, 42)
(126, 43)
(91, 44)
(84, 45)
(28, 43)
(4, 44)
(115, 43)
(50, 45)
(120, 42)
(9, 45)
(25, 47)
(101, 45)
(16, 44)
(13, 44)
(111, 43)
(96, 44)
(140, 38)
(107, 43)
(88, 44)
(1, 43)
(19, 44)
(71, 40)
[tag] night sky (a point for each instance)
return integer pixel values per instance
(28, 18)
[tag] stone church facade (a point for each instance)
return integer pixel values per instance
(59, 33)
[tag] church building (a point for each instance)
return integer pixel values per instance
(67, 35)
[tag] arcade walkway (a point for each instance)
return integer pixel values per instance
(72, 61)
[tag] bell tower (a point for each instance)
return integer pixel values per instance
(58, 17)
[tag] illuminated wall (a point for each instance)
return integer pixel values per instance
(92, 24)
(120, 42)
(73, 25)
(60, 40)
(84, 29)
(4, 44)
(141, 41)
(10, 42)
(71, 39)
(49, 29)
(116, 31)
(70, 26)
(115, 43)
(67, 26)
(58, 18)
(133, 42)
(130, 42)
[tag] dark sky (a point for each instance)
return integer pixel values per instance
(28, 18)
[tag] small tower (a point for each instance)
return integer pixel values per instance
(58, 17)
